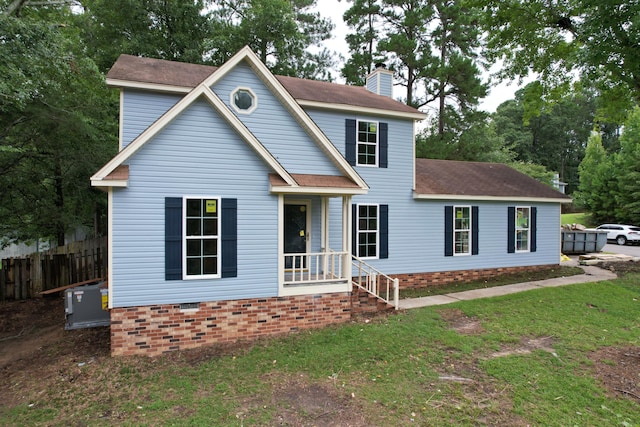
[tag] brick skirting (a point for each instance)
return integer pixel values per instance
(156, 329)
(423, 280)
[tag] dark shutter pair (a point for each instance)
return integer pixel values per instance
(383, 230)
(511, 229)
(173, 238)
(448, 230)
(351, 143)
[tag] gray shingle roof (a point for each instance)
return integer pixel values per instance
(457, 178)
(158, 71)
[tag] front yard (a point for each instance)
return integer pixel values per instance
(555, 356)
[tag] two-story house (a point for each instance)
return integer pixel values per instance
(244, 204)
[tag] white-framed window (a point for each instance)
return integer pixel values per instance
(368, 231)
(201, 237)
(367, 143)
(243, 100)
(523, 230)
(462, 230)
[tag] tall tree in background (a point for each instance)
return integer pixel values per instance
(280, 32)
(173, 30)
(555, 138)
(553, 38)
(56, 128)
(598, 187)
(627, 166)
(364, 18)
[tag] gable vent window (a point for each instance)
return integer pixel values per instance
(244, 101)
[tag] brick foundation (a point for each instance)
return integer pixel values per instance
(423, 280)
(156, 329)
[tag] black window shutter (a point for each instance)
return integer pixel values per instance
(384, 231)
(474, 231)
(383, 159)
(173, 238)
(533, 226)
(350, 141)
(448, 231)
(511, 229)
(229, 237)
(354, 229)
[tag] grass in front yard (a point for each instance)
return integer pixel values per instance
(504, 279)
(520, 359)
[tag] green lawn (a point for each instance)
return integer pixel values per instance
(407, 368)
(577, 218)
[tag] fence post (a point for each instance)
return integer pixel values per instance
(3, 280)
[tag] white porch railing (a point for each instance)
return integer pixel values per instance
(316, 267)
(375, 282)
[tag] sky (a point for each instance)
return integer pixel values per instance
(334, 9)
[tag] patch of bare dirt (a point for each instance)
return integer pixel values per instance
(621, 268)
(301, 402)
(619, 370)
(460, 322)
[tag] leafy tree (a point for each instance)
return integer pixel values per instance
(279, 31)
(598, 185)
(600, 39)
(556, 137)
(627, 166)
(56, 129)
(173, 30)
(472, 139)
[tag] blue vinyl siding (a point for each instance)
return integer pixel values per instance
(416, 227)
(197, 154)
(274, 126)
(141, 109)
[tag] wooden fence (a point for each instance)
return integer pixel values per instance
(26, 277)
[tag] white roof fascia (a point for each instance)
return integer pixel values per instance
(98, 178)
(328, 191)
(362, 110)
(156, 87)
(109, 183)
(489, 198)
(291, 104)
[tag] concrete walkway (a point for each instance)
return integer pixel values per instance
(591, 274)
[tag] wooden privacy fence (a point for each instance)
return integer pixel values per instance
(26, 277)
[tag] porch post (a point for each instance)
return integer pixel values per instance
(346, 235)
(280, 242)
(324, 234)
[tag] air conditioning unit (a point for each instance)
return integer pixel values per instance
(87, 306)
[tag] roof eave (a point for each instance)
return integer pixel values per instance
(156, 87)
(487, 198)
(98, 182)
(359, 109)
(324, 191)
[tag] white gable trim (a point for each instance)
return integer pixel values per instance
(246, 54)
(201, 90)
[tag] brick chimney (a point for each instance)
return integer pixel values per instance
(380, 81)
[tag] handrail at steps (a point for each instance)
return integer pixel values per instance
(375, 282)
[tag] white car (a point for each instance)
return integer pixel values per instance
(621, 233)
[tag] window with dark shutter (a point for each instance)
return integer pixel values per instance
(370, 231)
(210, 238)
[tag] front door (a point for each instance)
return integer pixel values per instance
(295, 234)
